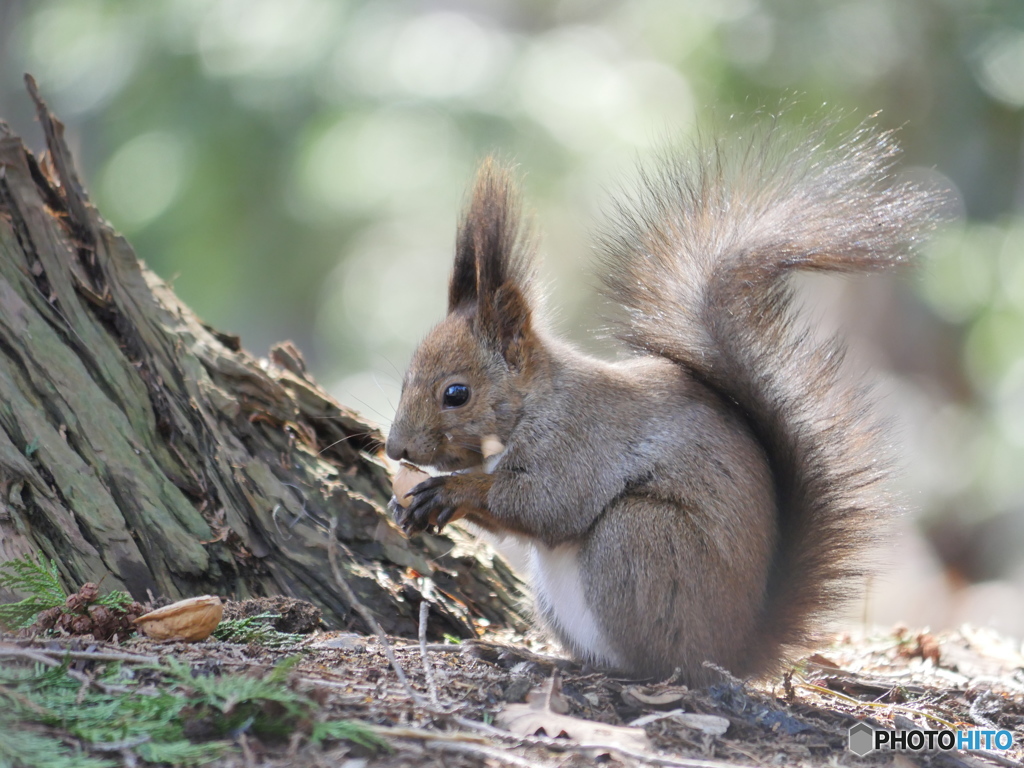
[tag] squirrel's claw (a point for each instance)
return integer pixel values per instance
(425, 502)
(397, 511)
(445, 516)
(438, 501)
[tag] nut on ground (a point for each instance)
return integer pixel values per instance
(191, 620)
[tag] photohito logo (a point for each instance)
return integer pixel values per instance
(864, 739)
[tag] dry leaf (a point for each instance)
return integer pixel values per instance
(928, 647)
(549, 695)
(712, 725)
(192, 620)
(824, 662)
(538, 716)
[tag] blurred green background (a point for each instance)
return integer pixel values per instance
(295, 167)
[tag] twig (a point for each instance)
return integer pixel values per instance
(501, 756)
(979, 717)
(368, 617)
(14, 650)
(876, 704)
(428, 671)
(247, 755)
(456, 741)
(82, 690)
(408, 732)
(32, 654)
(42, 656)
(450, 647)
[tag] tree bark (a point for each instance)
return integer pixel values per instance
(142, 447)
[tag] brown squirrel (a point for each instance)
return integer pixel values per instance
(705, 499)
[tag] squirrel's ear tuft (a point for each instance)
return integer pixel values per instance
(491, 249)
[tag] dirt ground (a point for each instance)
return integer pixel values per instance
(511, 700)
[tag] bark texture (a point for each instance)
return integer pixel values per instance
(144, 448)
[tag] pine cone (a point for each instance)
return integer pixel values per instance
(105, 623)
(81, 625)
(75, 602)
(48, 619)
(89, 592)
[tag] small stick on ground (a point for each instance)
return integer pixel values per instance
(34, 653)
(457, 741)
(489, 754)
(368, 617)
(426, 593)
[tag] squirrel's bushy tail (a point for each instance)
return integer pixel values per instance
(699, 259)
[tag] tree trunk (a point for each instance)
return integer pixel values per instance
(144, 448)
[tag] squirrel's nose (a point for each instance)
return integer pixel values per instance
(395, 449)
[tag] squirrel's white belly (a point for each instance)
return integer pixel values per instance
(554, 575)
(558, 592)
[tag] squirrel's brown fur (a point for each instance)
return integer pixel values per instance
(705, 500)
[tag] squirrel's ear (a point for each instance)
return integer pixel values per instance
(504, 321)
(491, 249)
(493, 270)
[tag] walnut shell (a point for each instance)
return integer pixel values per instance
(406, 478)
(192, 620)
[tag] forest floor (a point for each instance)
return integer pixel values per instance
(334, 699)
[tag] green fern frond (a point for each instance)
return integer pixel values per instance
(35, 576)
(20, 747)
(152, 724)
(117, 599)
(230, 701)
(182, 752)
(348, 730)
(279, 674)
(15, 616)
(256, 629)
(227, 692)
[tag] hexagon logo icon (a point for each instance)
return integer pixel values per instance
(862, 740)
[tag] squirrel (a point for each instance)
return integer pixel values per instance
(707, 498)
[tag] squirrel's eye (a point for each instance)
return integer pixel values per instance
(455, 395)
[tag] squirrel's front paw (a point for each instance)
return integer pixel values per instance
(407, 522)
(430, 505)
(440, 500)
